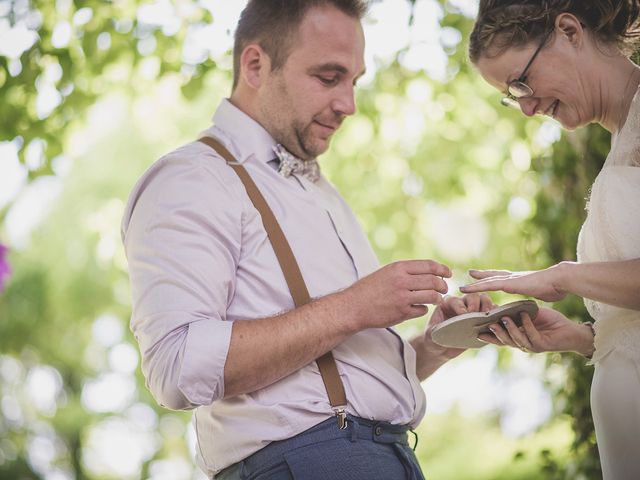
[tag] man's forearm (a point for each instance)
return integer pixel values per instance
(265, 350)
(428, 359)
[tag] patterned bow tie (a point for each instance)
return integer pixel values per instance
(291, 164)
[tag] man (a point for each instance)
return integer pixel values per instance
(212, 311)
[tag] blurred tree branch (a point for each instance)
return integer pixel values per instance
(75, 52)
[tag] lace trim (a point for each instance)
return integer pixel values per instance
(621, 334)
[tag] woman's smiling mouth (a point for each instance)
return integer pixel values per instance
(552, 109)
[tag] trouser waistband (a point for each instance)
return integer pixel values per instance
(357, 429)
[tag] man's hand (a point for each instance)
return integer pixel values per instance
(451, 307)
(430, 355)
(395, 293)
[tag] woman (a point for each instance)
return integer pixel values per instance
(567, 59)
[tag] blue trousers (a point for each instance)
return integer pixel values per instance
(365, 450)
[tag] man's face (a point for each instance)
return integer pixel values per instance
(302, 104)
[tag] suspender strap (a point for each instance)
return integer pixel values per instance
(292, 275)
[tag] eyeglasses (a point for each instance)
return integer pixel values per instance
(518, 88)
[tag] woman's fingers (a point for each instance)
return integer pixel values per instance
(489, 338)
(501, 334)
(532, 332)
(507, 333)
(489, 285)
(526, 337)
(518, 336)
(480, 274)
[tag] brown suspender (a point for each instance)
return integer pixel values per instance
(293, 276)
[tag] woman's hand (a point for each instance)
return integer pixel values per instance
(541, 284)
(615, 283)
(550, 331)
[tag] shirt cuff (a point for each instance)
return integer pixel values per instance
(201, 378)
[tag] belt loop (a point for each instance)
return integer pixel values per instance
(415, 435)
(242, 471)
(354, 430)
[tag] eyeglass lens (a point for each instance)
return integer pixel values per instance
(520, 89)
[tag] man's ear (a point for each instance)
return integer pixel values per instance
(254, 65)
(570, 27)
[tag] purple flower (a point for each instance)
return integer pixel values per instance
(5, 268)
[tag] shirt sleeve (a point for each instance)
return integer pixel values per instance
(182, 231)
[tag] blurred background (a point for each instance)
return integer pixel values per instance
(93, 91)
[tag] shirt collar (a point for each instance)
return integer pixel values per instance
(241, 134)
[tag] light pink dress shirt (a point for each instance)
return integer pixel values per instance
(199, 259)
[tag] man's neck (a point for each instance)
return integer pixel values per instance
(242, 102)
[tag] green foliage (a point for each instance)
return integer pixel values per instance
(108, 46)
(479, 450)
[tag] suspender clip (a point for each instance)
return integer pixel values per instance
(341, 416)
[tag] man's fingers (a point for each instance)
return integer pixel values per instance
(453, 306)
(472, 302)
(478, 302)
(422, 297)
(420, 267)
(427, 282)
(486, 303)
(418, 310)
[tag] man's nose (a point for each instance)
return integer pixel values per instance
(345, 102)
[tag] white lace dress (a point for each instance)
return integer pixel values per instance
(612, 232)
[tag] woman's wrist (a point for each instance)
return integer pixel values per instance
(586, 346)
(565, 275)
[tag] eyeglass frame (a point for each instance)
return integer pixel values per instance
(511, 100)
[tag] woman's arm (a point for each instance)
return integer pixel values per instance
(613, 283)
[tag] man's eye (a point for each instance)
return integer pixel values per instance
(328, 80)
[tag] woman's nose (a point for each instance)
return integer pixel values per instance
(528, 105)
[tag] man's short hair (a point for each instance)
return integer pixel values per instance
(273, 24)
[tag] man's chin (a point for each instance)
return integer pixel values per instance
(317, 147)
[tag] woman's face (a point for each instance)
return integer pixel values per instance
(556, 76)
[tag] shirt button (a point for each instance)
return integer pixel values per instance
(378, 431)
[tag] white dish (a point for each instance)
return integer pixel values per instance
(462, 331)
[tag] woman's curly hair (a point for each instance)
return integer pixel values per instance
(507, 23)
